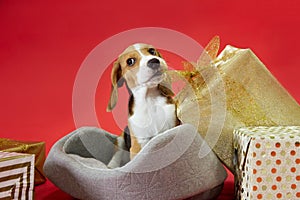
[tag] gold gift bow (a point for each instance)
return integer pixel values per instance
(246, 104)
(192, 71)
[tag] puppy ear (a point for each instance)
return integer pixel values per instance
(117, 81)
(166, 89)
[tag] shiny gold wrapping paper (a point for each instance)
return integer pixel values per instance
(36, 148)
(231, 91)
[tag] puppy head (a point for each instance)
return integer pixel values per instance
(138, 65)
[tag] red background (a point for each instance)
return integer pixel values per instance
(43, 43)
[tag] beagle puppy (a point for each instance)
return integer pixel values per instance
(151, 109)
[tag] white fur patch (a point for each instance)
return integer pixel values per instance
(152, 115)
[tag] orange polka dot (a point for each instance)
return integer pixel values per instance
(254, 171)
(278, 162)
(293, 186)
(254, 154)
(298, 194)
(297, 144)
(259, 196)
(277, 144)
(259, 179)
(254, 188)
(293, 153)
(274, 187)
(273, 170)
(293, 169)
(297, 161)
(278, 178)
(278, 195)
(273, 153)
(257, 145)
(258, 162)
(298, 178)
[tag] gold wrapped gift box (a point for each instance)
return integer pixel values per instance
(267, 162)
(16, 175)
(36, 148)
(230, 91)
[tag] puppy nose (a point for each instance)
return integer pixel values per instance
(153, 63)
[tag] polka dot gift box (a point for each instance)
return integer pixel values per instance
(267, 162)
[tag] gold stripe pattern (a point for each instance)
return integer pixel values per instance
(16, 176)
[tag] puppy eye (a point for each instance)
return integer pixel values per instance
(152, 51)
(130, 62)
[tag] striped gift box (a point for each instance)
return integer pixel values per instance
(16, 176)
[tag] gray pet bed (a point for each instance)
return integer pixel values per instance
(176, 164)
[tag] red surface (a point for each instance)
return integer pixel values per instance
(43, 43)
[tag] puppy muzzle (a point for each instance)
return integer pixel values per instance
(154, 63)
